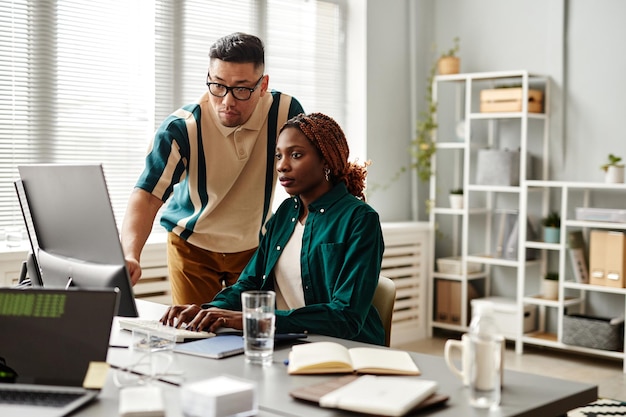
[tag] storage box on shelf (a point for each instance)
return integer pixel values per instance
(505, 314)
(449, 301)
(607, 258)
(510, 100)
(600, 214)
(452, 265)
(594, 332)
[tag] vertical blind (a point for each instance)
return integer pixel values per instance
(89, 81)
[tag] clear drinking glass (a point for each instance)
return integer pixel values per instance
(258, 326)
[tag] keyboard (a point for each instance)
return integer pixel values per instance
(38, 398)
(156, 326)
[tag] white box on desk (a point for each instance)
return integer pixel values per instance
(505, 314)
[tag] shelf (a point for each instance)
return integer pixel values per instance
(494, 188)
(506, 115)
(543, 245)
(451, 145)
(446, 210)
(597, 288)
(458, 277)
(546, 337)
(540, 301)
(448, 326)
(490, 260)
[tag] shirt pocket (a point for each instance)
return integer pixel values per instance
(332, 260)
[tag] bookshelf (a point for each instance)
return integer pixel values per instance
(465, 134)
(573, 295)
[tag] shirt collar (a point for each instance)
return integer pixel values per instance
(328, 199)
(255, 122)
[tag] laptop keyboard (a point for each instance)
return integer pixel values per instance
(37, 398)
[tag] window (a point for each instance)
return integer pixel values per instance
(88, 82)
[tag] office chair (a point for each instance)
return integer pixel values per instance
(383, 301)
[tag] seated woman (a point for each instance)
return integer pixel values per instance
(322, 250)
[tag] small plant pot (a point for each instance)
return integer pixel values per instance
(614, 174)
(550, 289)
(456, 201)
(551, 234)
(448, 65)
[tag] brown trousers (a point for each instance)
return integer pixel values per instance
(196, 275)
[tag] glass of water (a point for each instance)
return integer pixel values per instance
(258, 326)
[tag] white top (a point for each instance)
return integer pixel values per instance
(289, 293)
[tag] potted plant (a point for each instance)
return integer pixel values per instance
(614, 171)
(423, 147)
(456, 198)
(550, 286)
(448, 62)
(552, 228)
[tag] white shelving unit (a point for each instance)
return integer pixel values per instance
(572, 294)
(479, 130)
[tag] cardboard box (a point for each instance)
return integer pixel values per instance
(597, 249)
(448, 296)
(607, 258)
(452, 265)
(510, 100)
(505, 313)
(615, 259)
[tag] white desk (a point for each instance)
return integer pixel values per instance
(523, 394)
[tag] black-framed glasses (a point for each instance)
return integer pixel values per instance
(240, 93)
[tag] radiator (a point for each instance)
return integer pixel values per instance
(406, 262)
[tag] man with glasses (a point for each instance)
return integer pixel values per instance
(214, 160)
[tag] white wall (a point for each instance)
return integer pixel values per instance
(564, 39)
(388, 95)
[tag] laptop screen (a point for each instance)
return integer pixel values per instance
(50, 336)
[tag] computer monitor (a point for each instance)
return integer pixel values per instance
(72, 229)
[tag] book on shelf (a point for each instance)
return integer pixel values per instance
(331, 357)
(577, 255)
(374, 395)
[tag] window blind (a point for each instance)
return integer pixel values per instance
(89, 82)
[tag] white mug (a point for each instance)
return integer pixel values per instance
(463, 373)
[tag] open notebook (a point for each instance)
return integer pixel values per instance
(50, 338)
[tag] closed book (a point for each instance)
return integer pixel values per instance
(578, 258)
(380, 395)
(374, 395)
(215, 347)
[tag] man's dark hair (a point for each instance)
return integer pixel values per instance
(239, 47)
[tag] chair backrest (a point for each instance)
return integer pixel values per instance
(384, 300)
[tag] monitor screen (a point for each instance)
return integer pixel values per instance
(75, 230)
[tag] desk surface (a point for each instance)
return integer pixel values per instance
(522, 395)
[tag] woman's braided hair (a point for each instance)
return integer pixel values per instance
(328, 137)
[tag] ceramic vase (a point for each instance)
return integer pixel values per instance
(456, 201)
(614, 174)
(551, 234)
(550, 289)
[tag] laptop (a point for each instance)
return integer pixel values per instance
(49, 338)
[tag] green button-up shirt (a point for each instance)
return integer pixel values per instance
(342, 249)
